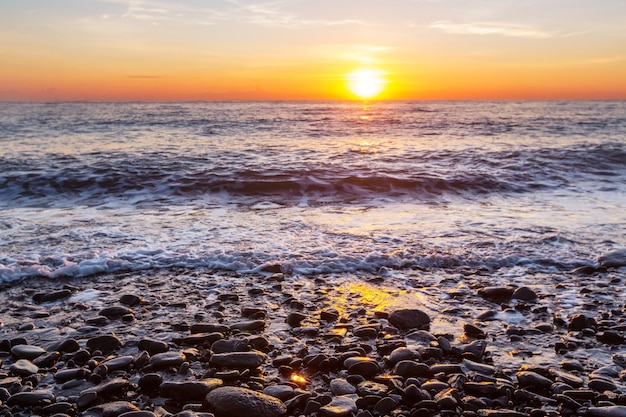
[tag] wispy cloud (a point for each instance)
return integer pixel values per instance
(491, 28)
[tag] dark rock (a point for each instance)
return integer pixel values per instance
(329, 315)
(230, 345)
(23, 367)
(361, 365)
(62, 407)
(112, 387)
(339, 386)
(152, 346)
(412, 369)
(105, 343)
(251, 325)
(199, 339)
(68, 345)
(118, 363)
(31, 399)
(237, 360)
(234, 401)
(524, 294)
(144, 413)
(70, 374)
(282, 392)
(610, 337)
(613, 259)
(601, 385)
(339, 407)
(166, 360)
(51, 296)
(112, 409)
(609, 411)
(294, 319)
(115, 311)
(150, 382)
(474, 331)
(407, 319)
(130, 300)
(580, 321)
(208, 328)
(189, 390)
(533, 379)
(496, 294)
(29, 352)
(372, 388)
(385, 405)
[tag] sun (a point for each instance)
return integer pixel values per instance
(366, 83)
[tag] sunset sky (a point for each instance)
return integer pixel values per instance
(306, 49)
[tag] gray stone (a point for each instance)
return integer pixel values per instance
(532, 379)
(115, 311)
(119, 363)
(524, 294)
(112, 409)
(234, 401)
(362, 365)
(407, 319)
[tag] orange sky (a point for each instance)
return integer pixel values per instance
(303, 50)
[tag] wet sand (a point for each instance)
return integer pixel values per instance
(409, 343)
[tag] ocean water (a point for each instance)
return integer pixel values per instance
(319, 188)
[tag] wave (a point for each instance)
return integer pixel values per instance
(99, 177)
(382, 264)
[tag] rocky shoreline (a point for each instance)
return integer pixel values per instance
(200, 343)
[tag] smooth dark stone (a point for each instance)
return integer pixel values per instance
(29, 352)
(329, 315)
(130, 300)
(610, 337)
(412, 369)
(474, 331)
(230, 345)
(385, 405)
(402, 354)
(613, 259)
(407, 319)
(482, 389)
(105, 343)
(601, 385)
(569, 379)
(112, 409)
(580, 321)
(115, 311)
(533, 379)
(237, 360)
(189, 390)
(234, 401)
(362, 365)
(47, 360)
(51, 296)
(609, 411)
(496, 293)
(119, 363)
(372, 388)
(339, 407)
(112, 387)
(199, 339)
(150, 382)
(339, 386)
(70, 374)
(282, 392)
(524, 294)
(208, 328)
(144, 413)
(31, 399)
(24, 367)
(152, 346)
(479, 367)
(63, 407)
(166, 360)
(251, 325)
(294, 319)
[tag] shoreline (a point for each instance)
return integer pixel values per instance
(486, 346)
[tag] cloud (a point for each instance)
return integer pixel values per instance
(487, 28)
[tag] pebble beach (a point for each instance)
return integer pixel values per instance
(200, 343)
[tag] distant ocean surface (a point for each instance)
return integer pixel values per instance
(319, 188)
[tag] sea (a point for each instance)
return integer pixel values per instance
(312, 189)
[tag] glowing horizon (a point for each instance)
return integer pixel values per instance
(298, 50)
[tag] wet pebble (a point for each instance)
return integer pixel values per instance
(232, 401)
(237, 360)
(407, 319)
